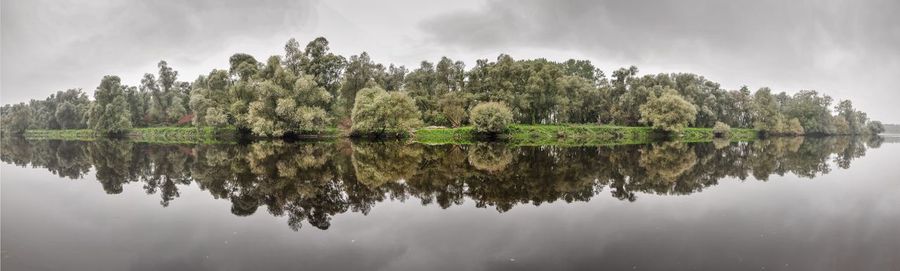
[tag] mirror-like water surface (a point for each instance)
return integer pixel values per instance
(777, 204)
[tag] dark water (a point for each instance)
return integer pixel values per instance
(780, 204)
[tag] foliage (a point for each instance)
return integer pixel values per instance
(875, 127)
(309, 89)
(668, 112)
(491, 117)
(490, 157)
(287, 104)
(16, 118)
(794, 127)
(379, 113)
(109, 113)
(721, 130)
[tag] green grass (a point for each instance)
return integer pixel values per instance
(520, 135)
(573, 135)
(207, 135)
(706, 134)
(461, 135)
(79, 134)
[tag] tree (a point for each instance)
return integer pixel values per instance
(243, 66)
(812, 110)
(491, 117)
(299, 108)
(324, 66)
(875, 127)
(293, 56)
(16, 118)
(109, 113)
(668, 112)
(360, 72)
(167, 76)
(795, 128)
(721, 130)
(67, 116)
(176, 110)
(856, 120)
(453, 107)
(579, 101)
(766, 115)
(379, 113)
(841, 126)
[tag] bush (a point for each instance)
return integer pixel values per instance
(794, 127)
(668, 112)
(379, 113)
(491, 117)
(875, 127)
(721, 130)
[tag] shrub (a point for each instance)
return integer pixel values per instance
(875, 127)
(668, 112)
(379, 113)
(489, 157)
(794, 127)
(490, 117)
(721, 130)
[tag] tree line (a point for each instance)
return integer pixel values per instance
(310, 89)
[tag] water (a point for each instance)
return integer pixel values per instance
(780, 204)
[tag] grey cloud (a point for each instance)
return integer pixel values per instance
(843, 48)
(53, 45)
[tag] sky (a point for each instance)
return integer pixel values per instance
(846, 49)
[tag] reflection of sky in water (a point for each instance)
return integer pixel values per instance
(846, 219)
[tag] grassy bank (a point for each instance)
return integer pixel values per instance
(522, 135)
(149, 134)
(573, 135)
(206, 135)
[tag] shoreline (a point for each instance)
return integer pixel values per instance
(520, 135)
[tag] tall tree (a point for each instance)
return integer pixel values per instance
(110, 114)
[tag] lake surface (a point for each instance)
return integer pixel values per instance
(778, 204)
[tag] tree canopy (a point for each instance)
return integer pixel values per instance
(309, 88)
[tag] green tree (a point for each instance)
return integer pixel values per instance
(766, 115)
(379, 113)
(491, 117)
(722, 130)
(323, 65)
(296, 109)
(453, 107)
(875, 127)
(668, 112)
(794, 127)
(16, 118)
(109, 113)
(812, 110)
(67, 116)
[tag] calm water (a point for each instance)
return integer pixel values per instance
(780, 204)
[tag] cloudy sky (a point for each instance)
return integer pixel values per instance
(847, 49)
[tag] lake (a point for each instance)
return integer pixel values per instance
(775, 204)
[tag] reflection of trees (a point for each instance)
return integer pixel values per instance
(312, 182)
(62, 158)
(377, 163)
(666, 161)
(112, 163)
(490, 157)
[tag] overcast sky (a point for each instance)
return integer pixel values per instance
(846, 49)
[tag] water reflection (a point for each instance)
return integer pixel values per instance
(309, 183)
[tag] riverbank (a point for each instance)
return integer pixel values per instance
(522, 135)
(574, 135)
(206, 135)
